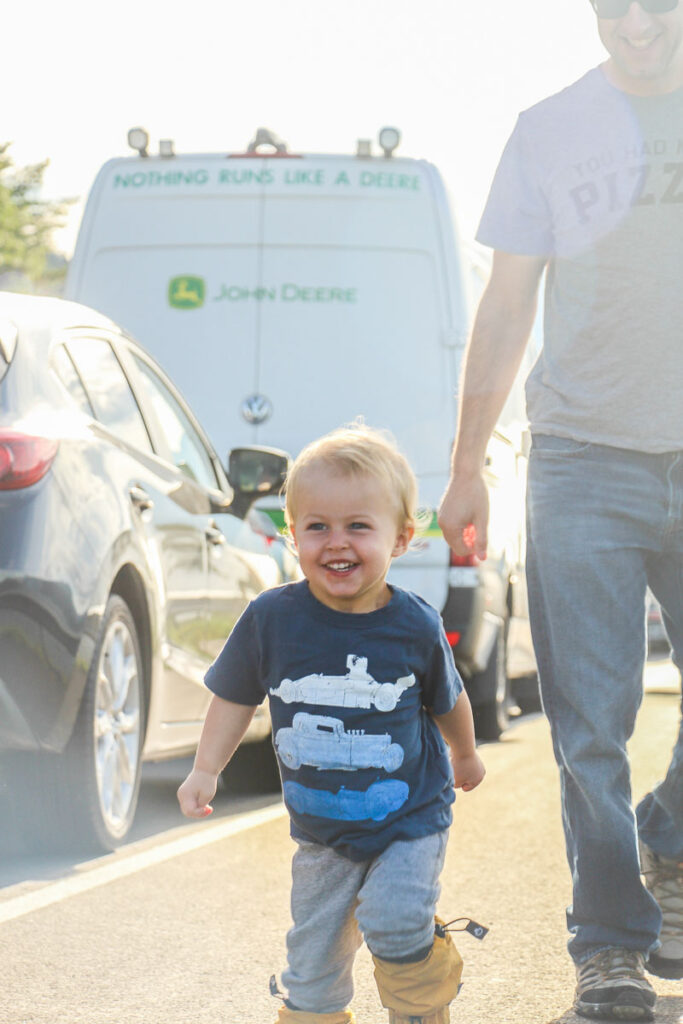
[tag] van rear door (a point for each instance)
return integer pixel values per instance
(360, 316)
(306, 291)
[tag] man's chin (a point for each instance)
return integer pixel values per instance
(641, 64)
(646, 71)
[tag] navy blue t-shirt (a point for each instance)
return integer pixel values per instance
(362, 762)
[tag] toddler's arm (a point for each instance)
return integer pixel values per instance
(224, 727)
(457, 728)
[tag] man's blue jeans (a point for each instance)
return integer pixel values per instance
(602, 524)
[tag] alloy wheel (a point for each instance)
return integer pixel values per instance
(117, 726)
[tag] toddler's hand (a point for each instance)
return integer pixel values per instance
(467, 771)
(196, 792)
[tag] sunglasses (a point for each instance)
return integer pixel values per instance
(618, 8)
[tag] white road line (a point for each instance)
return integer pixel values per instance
(67, 887)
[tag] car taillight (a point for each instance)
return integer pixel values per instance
(24, 459)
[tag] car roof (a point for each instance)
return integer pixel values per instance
(46, 314)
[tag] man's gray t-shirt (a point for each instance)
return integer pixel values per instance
(592, 179)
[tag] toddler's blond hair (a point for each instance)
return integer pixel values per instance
(358, 450)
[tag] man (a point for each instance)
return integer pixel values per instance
(590, 190)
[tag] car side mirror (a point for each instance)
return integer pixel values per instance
(255, 473)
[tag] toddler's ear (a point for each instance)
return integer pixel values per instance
(403, 539)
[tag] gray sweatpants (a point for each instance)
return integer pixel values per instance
(389, 901)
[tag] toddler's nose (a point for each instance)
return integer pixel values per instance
(336, 539)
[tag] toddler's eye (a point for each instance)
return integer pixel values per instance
(316, 526)
(360, 526)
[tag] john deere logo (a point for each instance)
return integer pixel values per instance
(186, 292)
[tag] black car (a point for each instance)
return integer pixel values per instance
(126, 555)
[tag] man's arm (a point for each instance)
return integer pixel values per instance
(500, 334)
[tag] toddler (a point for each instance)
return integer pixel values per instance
(363, 693)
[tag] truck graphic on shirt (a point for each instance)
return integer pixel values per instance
(357, 689)
(322, 742)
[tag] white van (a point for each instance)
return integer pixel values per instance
(287, 294)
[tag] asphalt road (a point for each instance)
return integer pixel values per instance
(186, 923)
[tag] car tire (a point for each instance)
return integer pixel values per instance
(393, 757)
(85, 798)
(289, 755)
(286, 691)
(386, 697)
(526, 694)
(491, 715)
(383, 798)
(101, 767)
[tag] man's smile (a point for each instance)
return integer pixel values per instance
(640, 44)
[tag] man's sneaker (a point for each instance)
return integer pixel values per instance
(612, 984)
(664, 879)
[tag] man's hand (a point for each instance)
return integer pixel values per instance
(196, 792)
(463, 515)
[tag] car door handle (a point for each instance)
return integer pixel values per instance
(214, 535)
(140, 499)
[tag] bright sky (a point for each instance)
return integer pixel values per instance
(450, 74)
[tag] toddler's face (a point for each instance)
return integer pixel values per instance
(347, 531)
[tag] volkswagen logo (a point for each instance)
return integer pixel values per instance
(257, 409)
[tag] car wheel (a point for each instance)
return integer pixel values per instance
(289, 755)
(85, 798)
(101, 764)
(385, 698)
(382, 798)
(526, 694)
(286, 691)
(393, 757)
(491, 715)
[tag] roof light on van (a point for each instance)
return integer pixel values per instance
(264, 137)
(166, 147)
(389, 139)
(364, 147)
(138, 139)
